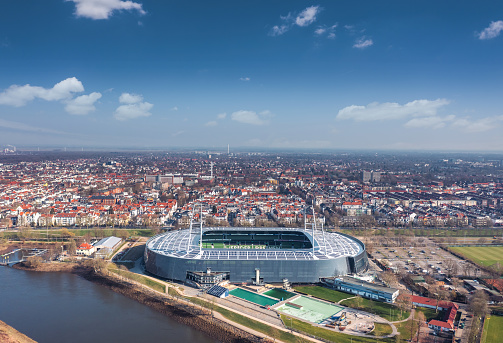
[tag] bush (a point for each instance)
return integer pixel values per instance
(33, 262)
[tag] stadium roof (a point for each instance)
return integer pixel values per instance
(185, 244)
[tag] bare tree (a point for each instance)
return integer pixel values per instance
(451, 267)
(404, 303)
(478, 303)
(467, 269)
(389, 278)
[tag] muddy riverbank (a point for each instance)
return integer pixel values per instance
(10, 335)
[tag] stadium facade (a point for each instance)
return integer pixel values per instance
(299, 255)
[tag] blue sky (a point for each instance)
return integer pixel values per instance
(267, 74)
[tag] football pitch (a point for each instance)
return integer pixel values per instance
(484, 256)
(492, 329)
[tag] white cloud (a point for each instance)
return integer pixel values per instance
(363, 43)
(222, 115)
(392, 110)
(251, 117)
(328, 30)
(307, 16)
(279, 30)
(433, 122)
(127, 98)
(82, 104)
(174, 108)
(244, 78)
(132, 111)
(211, 123)
(492, 31)
(133, 108)
(103, 9)
(20, 95)
(479, 125)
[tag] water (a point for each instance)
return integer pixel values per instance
(61, 307)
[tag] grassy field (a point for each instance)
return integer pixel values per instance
(382, 329)
(492, 329)
(323, 293)
(387, 311)
(141, 279)
(484, 256)
(405, 330)
(429, 313)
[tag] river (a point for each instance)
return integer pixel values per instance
(63, 307)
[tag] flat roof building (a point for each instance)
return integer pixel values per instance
(363, 288)
(107, 245)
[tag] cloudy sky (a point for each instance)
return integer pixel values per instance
(278, 74)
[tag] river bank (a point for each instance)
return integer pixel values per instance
(10, 335)
(181, 312)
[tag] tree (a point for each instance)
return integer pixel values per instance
(478, 303)
(33, 262)
(438, 293)
(496, 270)
(66, 233)
(389, 278)
(467, 268)
(72, 247)
(420, 321)
(451, 267)
(98, 265)
(404, 303)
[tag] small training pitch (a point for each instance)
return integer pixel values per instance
(279, 294)
(312, 310)
(253, 297)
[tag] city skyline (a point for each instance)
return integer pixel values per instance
(264, 75)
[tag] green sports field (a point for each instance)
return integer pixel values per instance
(484, 256)
(492, 329)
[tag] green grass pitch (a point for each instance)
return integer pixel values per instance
(484, 256)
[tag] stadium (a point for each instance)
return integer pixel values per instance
(204, 255)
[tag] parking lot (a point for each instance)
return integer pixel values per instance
(427, 258)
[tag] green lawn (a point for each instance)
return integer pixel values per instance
(141, 279)
(387, 311)
(382, 329)
(484, 256)
(492, 329)
(429, 313)
(323, 293)
(404, 329)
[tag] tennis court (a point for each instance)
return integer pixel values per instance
(312, 310)
(253, 297)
